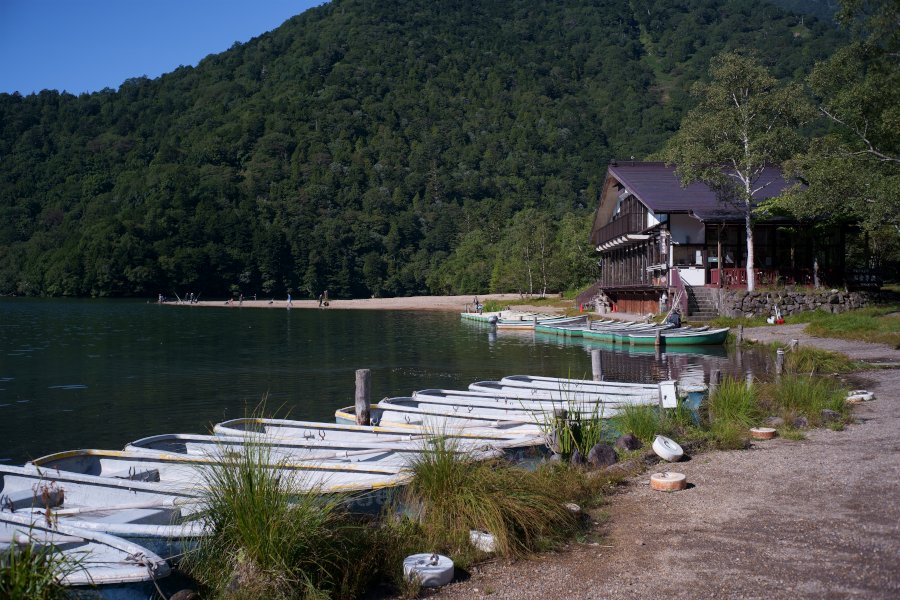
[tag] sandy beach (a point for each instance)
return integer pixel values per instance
(449, 303)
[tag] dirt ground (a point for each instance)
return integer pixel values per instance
(818, 518)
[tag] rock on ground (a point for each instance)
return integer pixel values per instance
(602, 455)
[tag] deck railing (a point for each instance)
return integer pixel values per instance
(623, 225)
(853, 278)
(738, 277)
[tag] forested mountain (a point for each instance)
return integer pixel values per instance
(823, 9)
(384, 148)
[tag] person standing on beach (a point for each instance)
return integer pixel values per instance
(320, 300)
(241, 300)
(289, 300)
(254, 297)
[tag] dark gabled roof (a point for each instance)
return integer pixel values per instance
(660, 190)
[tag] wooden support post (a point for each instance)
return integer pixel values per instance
(794, 344)
(740, 336)
(658, 341)
(715, 379)
(779, 362)
(597, 365)
(662, 410)
(363, 396)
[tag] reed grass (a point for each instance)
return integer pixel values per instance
(273, 534)
(641, 421)
(811, 360)
(35, 572)
(798, 395)
(453, 493)
(734, 402)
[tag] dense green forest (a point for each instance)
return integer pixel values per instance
(823, 9)
(370, 148)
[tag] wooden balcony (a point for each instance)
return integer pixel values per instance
(625, 224)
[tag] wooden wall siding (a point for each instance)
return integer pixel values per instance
(636, 302)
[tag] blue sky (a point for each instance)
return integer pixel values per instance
(87, 45)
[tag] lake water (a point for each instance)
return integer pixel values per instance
(101, 373)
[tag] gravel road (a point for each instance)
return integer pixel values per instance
(818, 518)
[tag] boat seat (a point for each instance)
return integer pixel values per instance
(28, 498)
(142, 516)
(135, 474)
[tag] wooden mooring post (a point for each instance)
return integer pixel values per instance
(363, 396)
(740, 336)
(597, 365)
(779, 362)
(659, 339)
(715, 379)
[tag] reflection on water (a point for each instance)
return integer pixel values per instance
(102, 373)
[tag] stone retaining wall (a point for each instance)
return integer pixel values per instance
(741, 303)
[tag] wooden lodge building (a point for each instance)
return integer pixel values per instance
(656, 237)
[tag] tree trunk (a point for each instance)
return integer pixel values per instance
(748, 223)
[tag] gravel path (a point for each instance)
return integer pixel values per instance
(862, 351)
(817, 518)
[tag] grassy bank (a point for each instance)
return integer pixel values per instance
(794, 402)
(273, 537)
(865, 324)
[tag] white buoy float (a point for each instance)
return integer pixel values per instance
(667, 449)
(482, 540)
(430, 570)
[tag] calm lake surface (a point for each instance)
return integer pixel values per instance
(101, 373)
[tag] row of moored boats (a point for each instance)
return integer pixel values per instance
(607, 330)
(133, 512)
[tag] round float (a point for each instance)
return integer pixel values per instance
(667, 449)
(860, 396)
(763, 433)
(668, 481)
(431, 570)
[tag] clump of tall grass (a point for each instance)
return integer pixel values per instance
(642, 421)
(273, 535)
(811, 360)
(574, 429)
(452, 493)
(796, 395)
(734, 401)
(35, 571)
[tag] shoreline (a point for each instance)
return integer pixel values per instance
(445, 303)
